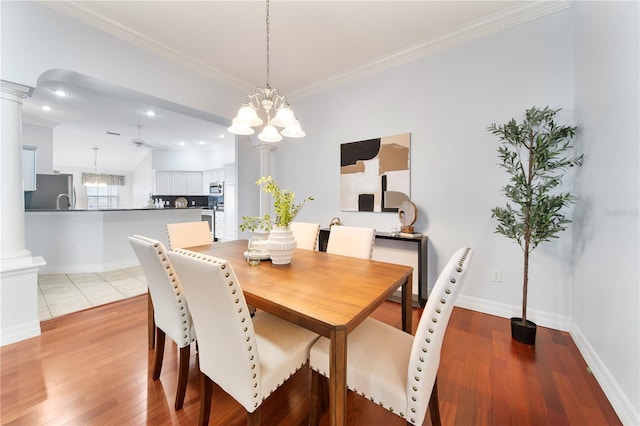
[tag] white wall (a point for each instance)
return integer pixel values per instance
(446, 101)
(220, 154)
(141, 183)
(607, 232)
(42, 137)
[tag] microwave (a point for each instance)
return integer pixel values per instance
(216, 188)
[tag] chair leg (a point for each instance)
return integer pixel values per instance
(434, 406)
(151, 323)
(183, 376)
(206, 391)
(253, 419)
(157, 360)
(319, 397)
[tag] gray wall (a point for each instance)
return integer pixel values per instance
(607, 232)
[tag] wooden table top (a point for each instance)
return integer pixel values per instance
(317, 290)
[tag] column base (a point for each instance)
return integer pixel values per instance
(19, 298)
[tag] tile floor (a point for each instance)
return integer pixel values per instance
(60, 294)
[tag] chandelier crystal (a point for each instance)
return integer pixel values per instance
(267, 101)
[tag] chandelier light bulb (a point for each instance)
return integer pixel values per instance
(248, 116)
(293, 130)
(270, 134)
(240, 128)
(284, 117)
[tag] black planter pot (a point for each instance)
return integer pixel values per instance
(523, 333)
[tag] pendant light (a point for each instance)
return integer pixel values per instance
(266, 100)
(94, 179)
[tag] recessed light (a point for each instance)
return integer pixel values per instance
(202, 143)
(181, 143)
(221, 136)
(150, 113)
(46, 108)
(61, 93)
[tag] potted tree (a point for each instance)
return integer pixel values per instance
(534, 154)
(281, 242)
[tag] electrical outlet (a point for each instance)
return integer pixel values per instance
(496, 275)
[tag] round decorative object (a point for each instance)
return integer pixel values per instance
(181, 203)
(407, 214)
(281, 244)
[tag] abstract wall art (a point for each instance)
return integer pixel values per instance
(375, 174)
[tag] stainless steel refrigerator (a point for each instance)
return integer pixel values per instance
(53, 192)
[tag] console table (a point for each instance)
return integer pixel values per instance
(421, 245)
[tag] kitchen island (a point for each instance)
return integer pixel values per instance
(76, 241)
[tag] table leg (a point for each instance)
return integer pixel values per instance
(338, 378)
(407, 302)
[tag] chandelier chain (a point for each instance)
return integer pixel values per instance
(267, 56)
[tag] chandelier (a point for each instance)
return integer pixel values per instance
(270, 101)
(94, 179)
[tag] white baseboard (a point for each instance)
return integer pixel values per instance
(544, 319)
(620, 403)
(19, 332)
(86, 268)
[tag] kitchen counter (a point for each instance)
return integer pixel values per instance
(115, 210)
(76, 241)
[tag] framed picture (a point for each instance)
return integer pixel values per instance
(375, 174)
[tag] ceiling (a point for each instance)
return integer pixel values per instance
(314, 45)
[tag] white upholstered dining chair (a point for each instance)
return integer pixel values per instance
(351, 241)
(390, 367)
(249, 358)
(170, 311)
(188, 234)
(306, 234)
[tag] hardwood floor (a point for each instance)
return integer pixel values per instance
(93, 368)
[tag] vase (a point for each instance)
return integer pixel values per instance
(281, 244)
(523, 333)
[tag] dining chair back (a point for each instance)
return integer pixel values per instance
(188, 234)
(306, 234)
(392, 368)
(351, 241)
(249, 358)
(170, 310)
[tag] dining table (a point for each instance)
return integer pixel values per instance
(323, 292)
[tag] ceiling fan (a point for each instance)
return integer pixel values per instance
(139, 142)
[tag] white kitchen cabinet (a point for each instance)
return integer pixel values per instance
(194, 183)
(179, 183)
(29, 167)
(219, 225)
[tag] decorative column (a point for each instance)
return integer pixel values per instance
(265, 170)
(12, 218)
(18, 270)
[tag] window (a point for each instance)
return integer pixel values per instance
(102, 197)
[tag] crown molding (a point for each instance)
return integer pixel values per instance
(516, 15)
(86, 14)
(519, 14)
